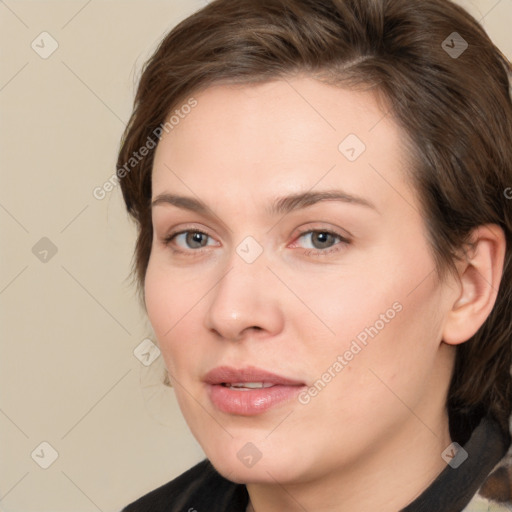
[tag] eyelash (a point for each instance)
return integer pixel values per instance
(314, 252)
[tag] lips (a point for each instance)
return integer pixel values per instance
(228, 375)
(248, 391)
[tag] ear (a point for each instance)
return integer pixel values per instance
(479, 276)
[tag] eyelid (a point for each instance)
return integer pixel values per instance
(186, 229)
(322, 229)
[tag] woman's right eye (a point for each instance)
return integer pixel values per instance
(187, 241)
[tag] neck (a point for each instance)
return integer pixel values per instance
(385, 479)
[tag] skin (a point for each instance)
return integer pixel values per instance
(381, 422)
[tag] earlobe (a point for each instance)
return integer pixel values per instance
(479, 280)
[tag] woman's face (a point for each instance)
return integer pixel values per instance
(330, 301)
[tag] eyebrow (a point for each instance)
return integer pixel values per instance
(280, 206)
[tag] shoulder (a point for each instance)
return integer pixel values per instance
(496, 492)
(199, 488)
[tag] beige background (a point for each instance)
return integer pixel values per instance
(70, 323)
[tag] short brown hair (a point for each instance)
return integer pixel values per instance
(455, 108)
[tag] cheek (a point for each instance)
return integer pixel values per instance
(175, 308)
(160, 299)
(166, 309)
(363, 301)
(168, 295)
(399, 357)
(386, 314)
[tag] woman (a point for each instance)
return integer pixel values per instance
(324, 253)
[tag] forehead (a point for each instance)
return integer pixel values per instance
(257, 140)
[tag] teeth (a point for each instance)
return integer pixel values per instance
(249, 385)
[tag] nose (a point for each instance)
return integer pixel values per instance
(245, 302)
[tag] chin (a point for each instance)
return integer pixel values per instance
(247, 464)
(258, 474)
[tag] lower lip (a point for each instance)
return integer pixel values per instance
(248, 402)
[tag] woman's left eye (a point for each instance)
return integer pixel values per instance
(322, 241)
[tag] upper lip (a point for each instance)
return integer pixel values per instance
(229, 375)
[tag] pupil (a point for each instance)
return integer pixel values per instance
(324, 238)
(195, 238)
